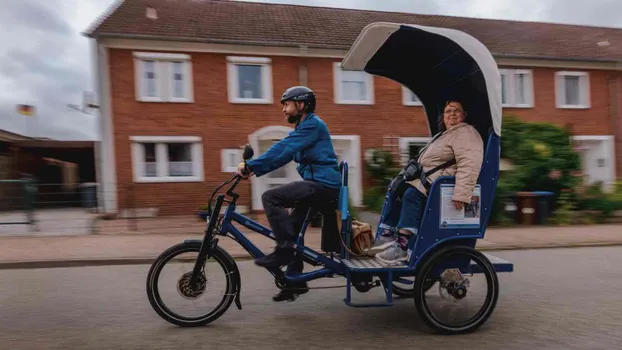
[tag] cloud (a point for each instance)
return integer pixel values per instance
(45, 61)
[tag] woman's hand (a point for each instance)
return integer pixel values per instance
(459, 205)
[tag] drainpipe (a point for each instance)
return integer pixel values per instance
(302, 68)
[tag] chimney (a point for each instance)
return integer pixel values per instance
(151, 13)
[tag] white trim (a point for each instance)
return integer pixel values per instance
(262, 50)
(162, 158)
(224, 157)
(250, 60)
(511, 91)
(593, 137)
(265, 65)
(161, 56)
(107, 199)
(369, 81)
(406, 93)
(355, 184)
(610, 153)
(374, 35)
(163, 70)
(404, 141)
(584, 90)
(169, 139)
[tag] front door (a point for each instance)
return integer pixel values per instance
(281, 176)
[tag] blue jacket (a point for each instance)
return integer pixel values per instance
(310, 146)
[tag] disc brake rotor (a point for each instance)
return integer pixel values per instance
(185, 290)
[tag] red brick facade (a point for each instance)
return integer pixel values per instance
(222, 124)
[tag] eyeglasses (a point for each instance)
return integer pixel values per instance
(451, 110)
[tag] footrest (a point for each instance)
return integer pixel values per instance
(371, 264)
(500, 265)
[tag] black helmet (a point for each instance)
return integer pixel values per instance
(300, 93)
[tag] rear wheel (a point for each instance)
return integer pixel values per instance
(450, 266)
(221, 264)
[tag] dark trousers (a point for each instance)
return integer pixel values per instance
(299, 196)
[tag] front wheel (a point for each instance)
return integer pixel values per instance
(220, 264)
(455, 269)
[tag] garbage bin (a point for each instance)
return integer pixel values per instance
(543, 207)
(533, 207)
(526, 208)
(89, 195)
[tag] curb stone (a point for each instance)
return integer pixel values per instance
(86, 262)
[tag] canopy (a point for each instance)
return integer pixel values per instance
(437, 64)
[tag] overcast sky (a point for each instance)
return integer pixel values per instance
(45, 61)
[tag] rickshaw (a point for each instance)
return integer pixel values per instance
(436, 64)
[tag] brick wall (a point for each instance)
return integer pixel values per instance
(212, 117)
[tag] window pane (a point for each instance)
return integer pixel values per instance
(353, 86)
(572, 90)
(149, 81)
(249, 81)
(180, 159)
(150, 160)
(520, 89)
(178, 80)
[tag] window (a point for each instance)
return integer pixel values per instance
(162, 77)
(230, 159)
(572, 89)
(249, 79)
(411, 146)
(167, 159)
(352, 87)
(409, 98)
(516, 88)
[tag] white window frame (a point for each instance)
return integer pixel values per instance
(266, 79)
(406, 94)
(224, 156)
(163, 76)
(510, 75)
(403, 146)
(337, 87)
(584, 90)
(138, 156)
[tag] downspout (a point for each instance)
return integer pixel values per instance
(303, 76)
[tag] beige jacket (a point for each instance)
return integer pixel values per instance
(464, 143)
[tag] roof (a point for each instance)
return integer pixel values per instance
(7, 136)
(225, 21)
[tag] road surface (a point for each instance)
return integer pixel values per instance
(555, 299)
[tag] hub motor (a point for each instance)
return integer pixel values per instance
(185, 290)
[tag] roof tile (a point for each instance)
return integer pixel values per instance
(276, 24)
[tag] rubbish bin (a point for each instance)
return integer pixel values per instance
(543, 208)
(89, 195)
(533, 207)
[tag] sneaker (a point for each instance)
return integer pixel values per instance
(382, 242)
(393, 255)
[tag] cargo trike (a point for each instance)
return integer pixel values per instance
(436, 64)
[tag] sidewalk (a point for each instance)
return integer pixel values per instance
(111, 247)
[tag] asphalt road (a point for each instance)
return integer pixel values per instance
(555, 299)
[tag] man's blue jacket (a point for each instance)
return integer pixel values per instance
(310, 146)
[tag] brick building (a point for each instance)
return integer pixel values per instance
(184, 84)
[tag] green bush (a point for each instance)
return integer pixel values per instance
(544, 160)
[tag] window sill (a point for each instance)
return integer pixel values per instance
(168, 179)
